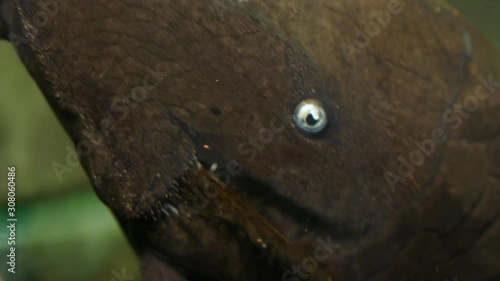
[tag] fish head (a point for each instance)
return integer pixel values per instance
(316, 119)
(331, 134)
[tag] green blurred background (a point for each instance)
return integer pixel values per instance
(63, 231)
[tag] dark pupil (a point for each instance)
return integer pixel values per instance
(311, 120)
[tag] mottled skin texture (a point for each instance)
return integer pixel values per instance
(228, 69)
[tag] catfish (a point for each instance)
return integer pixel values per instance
(259, 140)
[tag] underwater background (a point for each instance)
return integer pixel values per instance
(64, 232)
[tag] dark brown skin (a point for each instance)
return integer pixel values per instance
(224, 71)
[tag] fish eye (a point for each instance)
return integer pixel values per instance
(310, 116)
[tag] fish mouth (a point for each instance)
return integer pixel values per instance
(263, 196)
(290, 210)
(273, 231)
(283, 212)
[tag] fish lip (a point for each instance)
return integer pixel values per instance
(264, 193)
(266, 198)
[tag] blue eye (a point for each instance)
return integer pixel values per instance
(310, 116)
